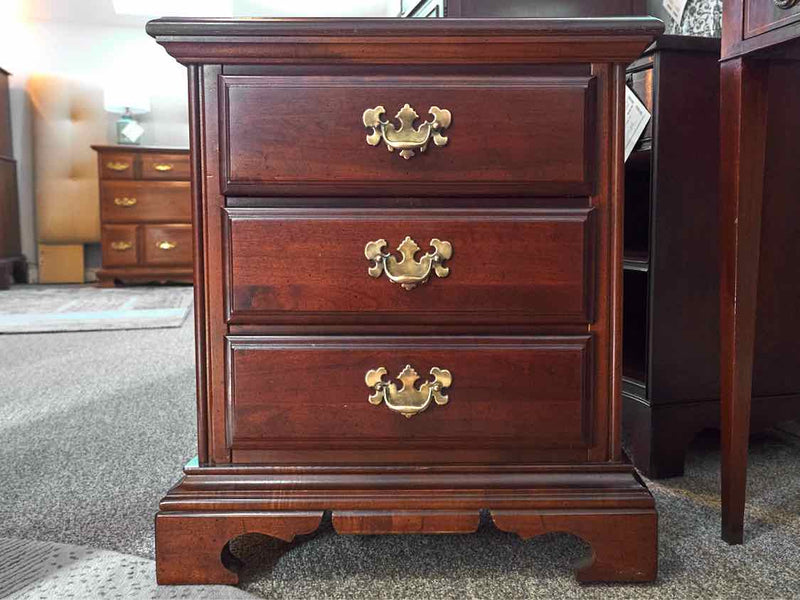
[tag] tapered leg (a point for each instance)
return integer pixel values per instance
(189, 545)
(743, 90)
(624, 542)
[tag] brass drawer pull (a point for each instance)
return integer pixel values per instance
(125, 202)
(166, 245)
(408, 400)
(786, 3)
(407, 271)
(163, 167)
(121, 246)
(406, 139)
(118, 166)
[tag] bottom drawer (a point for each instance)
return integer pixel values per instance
(321, 400)
(167, 245)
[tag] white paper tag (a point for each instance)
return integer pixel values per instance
(636, 119)
(133, 131)
(675, 9)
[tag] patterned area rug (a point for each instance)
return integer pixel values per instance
(44, 570)
(48, 308)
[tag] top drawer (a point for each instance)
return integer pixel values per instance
(763, 15)
(173, 167)
(117, 165)
(306, 135)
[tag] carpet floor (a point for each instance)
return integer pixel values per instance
(51, 308)
(97, 425)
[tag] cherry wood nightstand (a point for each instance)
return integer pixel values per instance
(408, 261)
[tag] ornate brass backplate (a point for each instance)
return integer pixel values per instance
(121, 246)
(166, 245)
(405, 138)
(163, 167)
(125, 202)
(408, 271)
(408, 400)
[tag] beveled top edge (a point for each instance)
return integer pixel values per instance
(138, 148)
(338, 27)
(689, 43)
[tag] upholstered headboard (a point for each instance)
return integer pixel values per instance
(68, 117)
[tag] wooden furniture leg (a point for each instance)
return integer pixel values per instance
(189, 547)
(624, 543)
(744, 84)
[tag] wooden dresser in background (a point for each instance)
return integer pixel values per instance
(408, 284)
(12, 263)
(145, 213)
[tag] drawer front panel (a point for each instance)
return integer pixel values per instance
(764, 15)
(518, 395)
(167, 245)
(124, 201)
(117, 165)
(306, 135)
(119, 245)
(173, 167)
(506, 266)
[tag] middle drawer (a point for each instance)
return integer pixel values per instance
(457, 266)
(145, 201)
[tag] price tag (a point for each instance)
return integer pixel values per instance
(133, 131)
(675, 9)
(636, 119)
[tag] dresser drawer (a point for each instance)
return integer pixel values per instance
(306, 135)
(173, 167)
(138, 201)
(510, 397)
(764, 15)
(167, 244)
(119, 245)
(504, 266)
(116, 165)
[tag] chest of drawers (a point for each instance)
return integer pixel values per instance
(408, 264)
(145, 214)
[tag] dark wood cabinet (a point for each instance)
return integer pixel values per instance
(408, 266)
(760, 232)
(671, 307)
(145, 214)
(522, 8)
(12, 262)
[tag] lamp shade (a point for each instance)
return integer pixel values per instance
(120, 98)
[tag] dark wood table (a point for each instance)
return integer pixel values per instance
(760, 228)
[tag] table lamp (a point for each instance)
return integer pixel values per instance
(127, 101)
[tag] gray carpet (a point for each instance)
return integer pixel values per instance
(50, 308)
(96, 426)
